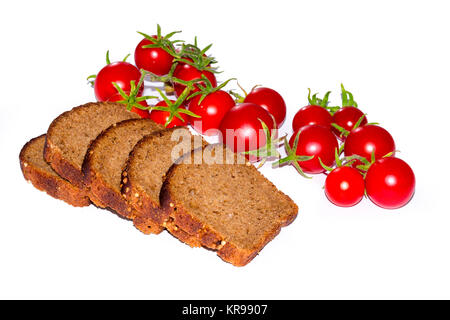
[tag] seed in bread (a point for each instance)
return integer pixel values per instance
(44, 178)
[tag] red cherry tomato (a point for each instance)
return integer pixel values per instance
(121, 73)
(270, 100)
(344, 186)
(315, 141)
(155, 60)
(186, 72)
(241, 130)
(346, 118)
(212, 109)
(390, 183)
(310, 115)
(367, 139)
(162, 116)
(143, 113)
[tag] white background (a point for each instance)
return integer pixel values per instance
(393, 55)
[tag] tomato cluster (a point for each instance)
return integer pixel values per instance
(197, 99)
(357, 156)
(369, 164)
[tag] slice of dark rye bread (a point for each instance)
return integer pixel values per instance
(70, 134)
(44, 178)
(106, 158)
(230, 208)
(146, 168)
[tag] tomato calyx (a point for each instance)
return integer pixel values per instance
(91, 78)
(347, 98)
(292, 157)
(174, 108)
(270, 149)
(169, 79)
(345, 162)
(192, 55)
(238, 98)
(321, 102)
(367, 164)
(345, 132)
(205, 88)
(132, 100)
(162, 42)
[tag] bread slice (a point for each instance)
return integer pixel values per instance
(70, 134)
(106, 158)
(146, 168)
(44, 178)
(230, 208)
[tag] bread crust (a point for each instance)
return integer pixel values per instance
(147, 212)
(191, 231)
(99, 189)
(102, 194)
(54, 156)
(54, 186)
(149, 216)
(196, 234)
(144, 206)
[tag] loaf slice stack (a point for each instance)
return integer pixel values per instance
(70, 135)
(106, 158)
(146, 169)
(204, 195)
(224, 203)
(44, 178)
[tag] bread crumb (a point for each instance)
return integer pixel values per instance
(136, 195)
(171, 205)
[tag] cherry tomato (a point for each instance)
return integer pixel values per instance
(162, 116)
(186, 72)
(212, 109)
(364, 141)
(270, 100)
(143, 113)
(155, 60)
(241, 130)
(310, 115)
(390, 183)
(315, 141)
(344, 186)
(346, 118)
(121, 73)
